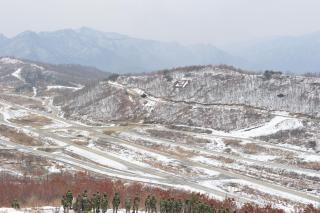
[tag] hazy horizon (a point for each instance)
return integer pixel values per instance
(187, 22)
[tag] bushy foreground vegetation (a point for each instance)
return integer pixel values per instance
(51, 190)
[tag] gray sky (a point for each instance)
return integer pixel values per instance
(187, 21)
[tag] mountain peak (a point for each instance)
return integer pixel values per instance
(3, 39)
(2, 36)
(27, 34)
(87, 29)
(108, 51)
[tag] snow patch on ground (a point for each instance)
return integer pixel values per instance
(216, 144)
(271, 191)
(205, 160)
(159, 157)
(34, 89)
(207, 171)
(12, 172)
(261, 157)
(53, 169)
(213, 184)
(309, 157)
(17, 74)
(44, 209)
(63, 87)
(37, 66)
(56, 125)
(7, 60)
(277, 124)
(12, 113)
(96, 158)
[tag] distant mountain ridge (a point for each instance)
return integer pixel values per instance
(297, 54)
(119, 53)
(109, 51)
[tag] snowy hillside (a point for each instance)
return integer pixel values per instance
(214, 130)
(220, 98)
(37, 78)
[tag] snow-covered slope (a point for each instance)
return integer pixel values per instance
(35, 78)
(220, 98)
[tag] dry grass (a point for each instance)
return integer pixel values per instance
(310, 165)
(32, 120)
(23, 163)
(178, 137)
(314, 165)
(22, 101)
(252, 148)
(109, 132)
(121, 128)
(18, 137)
(220, 158)
(232, 142)
(80, 142)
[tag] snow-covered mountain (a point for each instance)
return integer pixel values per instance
(119, 53)
(109, 51)
(33, 77)
(217, 97)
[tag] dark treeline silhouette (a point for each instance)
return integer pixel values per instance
(48, 190)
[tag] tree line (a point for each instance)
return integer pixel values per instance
(28, 191)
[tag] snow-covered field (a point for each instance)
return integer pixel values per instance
(278, 123)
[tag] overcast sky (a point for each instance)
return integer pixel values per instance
(187, 21)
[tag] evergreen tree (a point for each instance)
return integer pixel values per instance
(128, 205)
(15, 204)
(180, 205)
(221, 210)
(147, 204)
(162, 206)
(77, 206)
(211, 209)
(86, 206)
(153, 204)
(104, 203)
(98, 202)
(69, 198)
(116, 202)
(94, 202)
(136, 203)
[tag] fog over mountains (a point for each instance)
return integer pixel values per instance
(120, 53)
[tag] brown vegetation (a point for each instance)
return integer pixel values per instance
(23, 163)
(18, 136)
(177, 137)
(24, 101)
(32, 120)
(232, 142)
(252, 148)
(49, 190)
